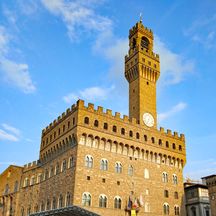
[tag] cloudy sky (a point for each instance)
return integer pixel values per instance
(53, 52)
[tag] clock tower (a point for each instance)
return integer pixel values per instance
(142, 70)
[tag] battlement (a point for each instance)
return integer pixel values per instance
(125, 119)
(59, 119)
(140, 27)
(31, 165)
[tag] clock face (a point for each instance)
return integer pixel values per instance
(148, 119)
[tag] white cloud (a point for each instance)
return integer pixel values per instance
(79, 16)
(90, 94)
(202, 31)
(13, 72)
(9, 133)
(17, 74)
(174, 110)
(174, 67)
(11, 129)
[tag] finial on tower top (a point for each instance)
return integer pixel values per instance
(141, 17)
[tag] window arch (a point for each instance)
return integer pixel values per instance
(89, 161)
(105, 126)
(86, 120)
(68, 199)
(175, 179)
(114, 128)
(166, 208)
(60, 201)
(153, 140)
(32, 181)
(57, 168)
(174, 146)
(164, 177)
(176, 195)
(48, 204)
(145, 43)
(145, 138)
(96, 123)
(16, 186)
(54, 203)
(122, 131)
(160, 141)
(26, 182)
(86, 199)
(166, 193)
(177, 210)
(146, 173)
(167, 144)
(7, 189)
(103, 201)
(130, 170)
(118, 167)
(131, 133)
(117, 202)
(71, 162)
(104, 164)
(137, 135)
(64, 165)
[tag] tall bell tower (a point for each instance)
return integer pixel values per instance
(142, 69)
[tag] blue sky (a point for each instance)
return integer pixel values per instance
(55, 51)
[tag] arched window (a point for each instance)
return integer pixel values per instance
(122, 131)
(51, 171)
(42, 206)
(57, 168)
(96, 123)
(153, 140)
(71, 162)
(164, 177)
(117, 202)
(176, 195)
(174, 146)
(104, 164)
(146, 173)
(167, 144)
(54, 203)
(7, 189)
(114, 128)
(105, 126)
(48, 205)
(68, 199)
(36, 209)
(60, 201)
(145, 138)
(64, 165)
(180, 148)
(16, 186)
(32, 180)
(166, 209)
(102, 201)
(137, 135)
(46, 174)
(26, 182)
(175, 179)
(22, 211)
(160, 142)
(166, 193)
(86, 199)
(177, 210)
(147, 207)
(131, 133)
(118, 167)
(86, 120)
(89, 161)
(145, 43)
(130, 170)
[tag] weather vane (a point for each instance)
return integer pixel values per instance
(140, 17)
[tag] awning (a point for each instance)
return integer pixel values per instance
(66, 211)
